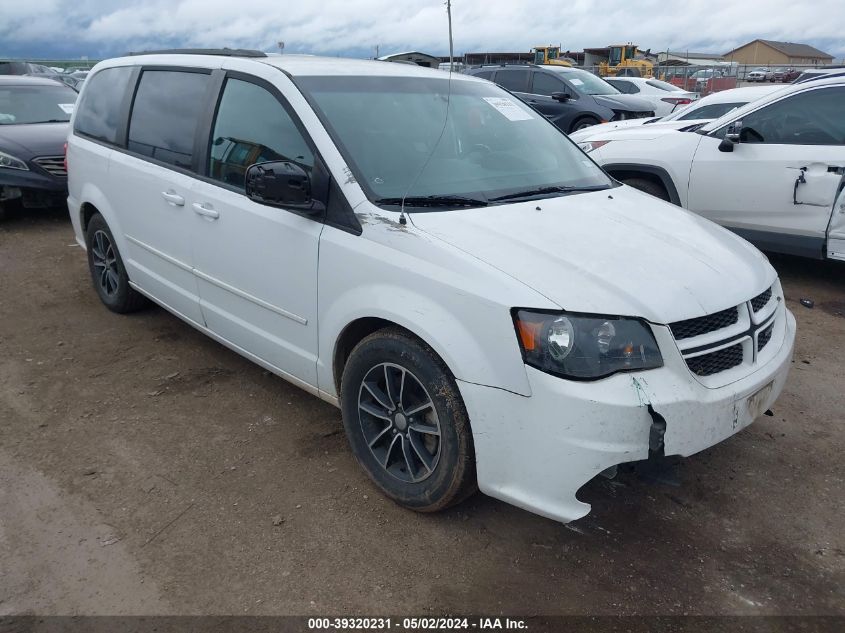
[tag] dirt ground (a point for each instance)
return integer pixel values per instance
(145, 469)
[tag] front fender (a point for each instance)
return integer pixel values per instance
(456, 304)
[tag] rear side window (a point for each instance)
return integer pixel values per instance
(253, 127)
(98, 114)
(164, 117)
(513, 80)
(485, 74)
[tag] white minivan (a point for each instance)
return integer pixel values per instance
(487, 307)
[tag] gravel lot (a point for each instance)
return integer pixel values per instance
(145, 469)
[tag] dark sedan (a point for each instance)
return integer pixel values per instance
(34, 116)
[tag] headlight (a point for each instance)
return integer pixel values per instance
(585, 347)
(589, 146)
(10, 162)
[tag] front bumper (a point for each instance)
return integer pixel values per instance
(32, 189)
(536, 452)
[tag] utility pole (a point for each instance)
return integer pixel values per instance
(451, 50)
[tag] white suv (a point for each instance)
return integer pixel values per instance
(772, 170)
(484, 304)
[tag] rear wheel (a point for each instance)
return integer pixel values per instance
(648, 186)
(108, 273)
(406, 422)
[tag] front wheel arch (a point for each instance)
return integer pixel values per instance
(622, 172)
(578, 124)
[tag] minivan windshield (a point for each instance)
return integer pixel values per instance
(22, 104)
(398, 141)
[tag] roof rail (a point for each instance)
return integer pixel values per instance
(223, 52)
(500, 65)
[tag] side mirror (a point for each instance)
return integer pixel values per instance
(732, 137)
(280, 184)
(734, 131)
(563, 97)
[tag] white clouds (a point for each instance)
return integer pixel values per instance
(335, 26)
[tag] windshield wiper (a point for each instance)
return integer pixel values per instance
(48, 121)
(542, 191)
(435, 201)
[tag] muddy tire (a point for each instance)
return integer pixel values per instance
(648, 186)
(108, 274)
(406, 422)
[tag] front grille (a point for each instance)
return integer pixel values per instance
(705, 324)
(764, 337)
(759, 302)
(715, 362)
(53, 165)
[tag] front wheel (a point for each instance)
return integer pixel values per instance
(581, 124)
(406, 422)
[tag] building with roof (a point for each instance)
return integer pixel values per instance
(772, 53)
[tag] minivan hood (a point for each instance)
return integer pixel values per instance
(38, 139)
(624, 102)
(613, 252)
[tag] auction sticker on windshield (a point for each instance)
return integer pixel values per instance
(508, 108)
(67, 108)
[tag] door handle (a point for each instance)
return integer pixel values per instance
(173, 198)
(205, 211)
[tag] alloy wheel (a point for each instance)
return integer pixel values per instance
(399, 422)
(104, 259)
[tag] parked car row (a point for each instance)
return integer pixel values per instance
(571, 98)
(72, 77)
(771, 170)
(763, 73)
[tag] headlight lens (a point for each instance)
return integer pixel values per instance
(585, 347)
(589, 146)
(10, 162)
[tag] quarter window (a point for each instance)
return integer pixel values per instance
(164, 118)
(814, 117)
(100, 107)
(253, 127)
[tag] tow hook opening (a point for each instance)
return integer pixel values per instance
(658, 468)
(656, 433)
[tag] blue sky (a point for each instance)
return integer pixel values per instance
(101, 28)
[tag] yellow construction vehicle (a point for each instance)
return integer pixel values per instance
(549, 55)
(626, 60)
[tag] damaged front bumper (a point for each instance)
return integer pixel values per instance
(536, 452)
